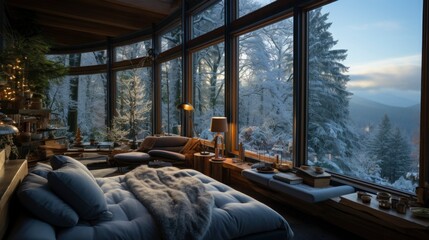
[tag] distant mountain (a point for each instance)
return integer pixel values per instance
(364, 112)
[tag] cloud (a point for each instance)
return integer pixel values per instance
(396, 73)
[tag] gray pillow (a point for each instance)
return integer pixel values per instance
(41, 169)
(77, 189)
(35, 195)
(58, 161)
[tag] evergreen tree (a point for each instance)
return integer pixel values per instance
(392, 150)
(328, 113)
(379, 147)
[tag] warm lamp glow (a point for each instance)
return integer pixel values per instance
(185, 107)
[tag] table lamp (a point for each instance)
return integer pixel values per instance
(219, 125)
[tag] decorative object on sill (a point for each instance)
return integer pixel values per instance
(385, 204)
(366, 198)
(187, 107)
(312, 178)
(241, 153)
(383, 196)
(420, 212)
(6, 139)
(319, 170)
(219, 125)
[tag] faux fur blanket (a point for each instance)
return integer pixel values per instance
(178, 202)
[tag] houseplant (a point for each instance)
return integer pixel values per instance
(24, 65)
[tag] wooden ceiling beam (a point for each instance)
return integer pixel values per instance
(73, 10)
(80, 26)
(164, 7)
(63, 37)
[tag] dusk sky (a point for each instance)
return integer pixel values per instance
(383, 39)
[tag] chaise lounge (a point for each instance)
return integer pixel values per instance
(176, 150)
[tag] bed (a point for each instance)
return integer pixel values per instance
(64, 201)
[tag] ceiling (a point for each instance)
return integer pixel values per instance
(80, 22)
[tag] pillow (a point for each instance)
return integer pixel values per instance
(35, 195)
(41, 169)
(167, 154)
(190, 145)
(58, 161)
(79, 190)
(147, 144)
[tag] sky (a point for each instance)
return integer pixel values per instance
(383, 39)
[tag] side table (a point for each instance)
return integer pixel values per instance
(216, 170)
(201, 162)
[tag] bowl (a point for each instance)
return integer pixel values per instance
(304, 167)
(383, 196)
(319, 170)
(366, 198)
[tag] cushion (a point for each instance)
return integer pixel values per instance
(58, 161)
(79, 190)
(132, 157)
(167, 154)
(191, 145)
(147, 144)
(35, 195)
(41, 169)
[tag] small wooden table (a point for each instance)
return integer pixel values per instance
(201, 163)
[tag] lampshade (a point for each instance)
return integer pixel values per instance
(219, 124)
(185, 107)
(8, 129)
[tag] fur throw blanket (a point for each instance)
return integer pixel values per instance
(178, 202)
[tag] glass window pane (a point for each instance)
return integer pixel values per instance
(171, 95)
(134, 103)
(171, 39)
(248, 6)
(209, 88)
(79, 101)
(209, 19)
(266, 90)
(364, 90)
(80, 59)
(132, 51)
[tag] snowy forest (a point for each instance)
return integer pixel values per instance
(386, 155)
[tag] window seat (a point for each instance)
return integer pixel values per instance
(300, 191)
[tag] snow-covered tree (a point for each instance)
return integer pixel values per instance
(390, 148)
(329, 133)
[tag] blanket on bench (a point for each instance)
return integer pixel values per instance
(179, 202)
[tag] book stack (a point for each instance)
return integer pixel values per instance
(310, 177)
(288, 177)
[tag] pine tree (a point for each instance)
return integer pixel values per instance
(392, 150)
(328, 114)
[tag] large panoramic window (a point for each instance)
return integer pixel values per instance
(79, 102)
(364, 90)
(133, 103)
(208, 72)
(132, 51)
(248, 6)
(80, 59)
(265, 90)
(209, 19)
(171, 95)
(171, 38)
